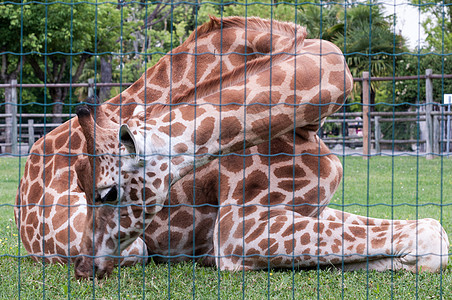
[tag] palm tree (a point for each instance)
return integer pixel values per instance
(363, 33)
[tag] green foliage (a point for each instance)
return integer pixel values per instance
(322, 21)
(266, 9)
(401, 95)
(438, 30)
(413, 91)
(68, 27)
(57, 40)
(438, 24)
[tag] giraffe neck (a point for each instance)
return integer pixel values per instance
(200, 56)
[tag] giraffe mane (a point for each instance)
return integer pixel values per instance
(239, 74)
(248, 23)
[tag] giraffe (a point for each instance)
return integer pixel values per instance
(50, 207)
(271, 210)
(58, 193)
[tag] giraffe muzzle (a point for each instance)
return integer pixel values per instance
(83, 268)
(86, 268)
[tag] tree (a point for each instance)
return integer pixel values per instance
(363, 33)
(438, 24)
(59, 38)
(9, 47)
(436, 28)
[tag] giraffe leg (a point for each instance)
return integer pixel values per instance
(287, 239)
(345, 217)
(424, 242)
(384, 263)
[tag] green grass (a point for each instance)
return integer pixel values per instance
(400, 188)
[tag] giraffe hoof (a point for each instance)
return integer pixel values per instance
(431, 253)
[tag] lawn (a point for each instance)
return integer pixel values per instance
(385, 187)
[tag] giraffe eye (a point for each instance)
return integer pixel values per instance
(111, 196)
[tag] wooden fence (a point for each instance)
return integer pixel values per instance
(375, 139)
(15, 137)
(18, 138)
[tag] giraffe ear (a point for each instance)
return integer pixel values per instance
(87, 124)
(133, 143)
(98, 113)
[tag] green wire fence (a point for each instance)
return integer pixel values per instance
(118, 62)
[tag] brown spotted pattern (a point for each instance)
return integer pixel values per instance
(246, 207)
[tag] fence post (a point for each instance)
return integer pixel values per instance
(366, 121)
(436, 134)
(31, 133)
(90, 87)
(377, 135)
(428, 112)
(11, 122)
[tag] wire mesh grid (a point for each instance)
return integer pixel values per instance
(169, 150)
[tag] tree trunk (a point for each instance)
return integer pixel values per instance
(105, 77)
(57, 108)
(6, 77)
(55, 73)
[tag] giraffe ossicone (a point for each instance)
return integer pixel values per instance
(151, 184)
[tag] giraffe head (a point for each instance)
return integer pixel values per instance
(124, 188)
(101, 149)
